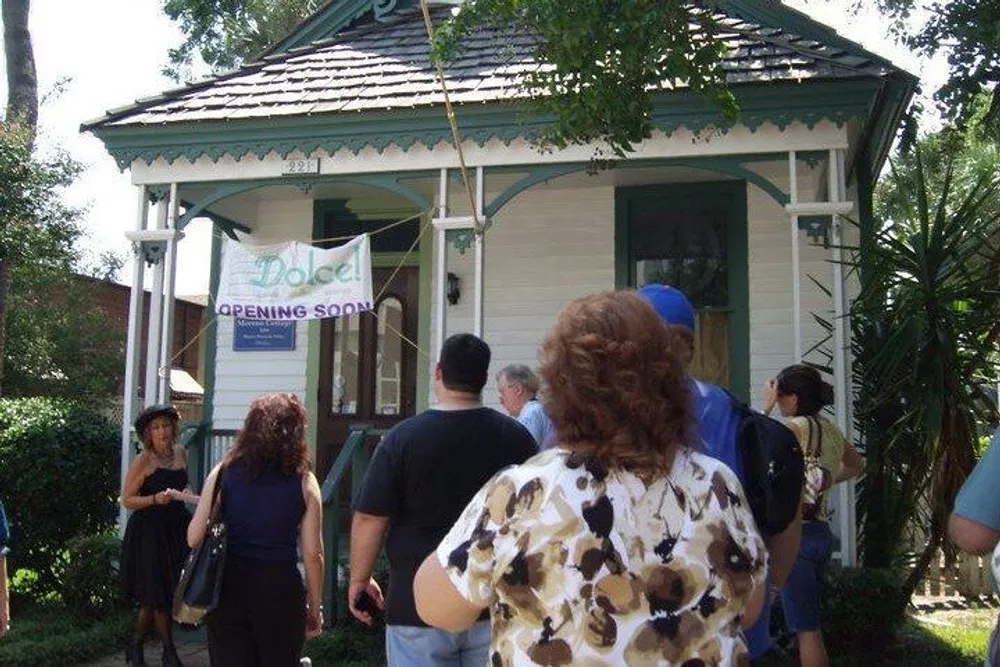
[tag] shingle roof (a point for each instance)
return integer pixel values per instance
(385, 67)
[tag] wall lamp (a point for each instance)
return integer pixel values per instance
(454, 288)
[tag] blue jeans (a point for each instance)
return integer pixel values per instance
(800, 596)
(412, 646)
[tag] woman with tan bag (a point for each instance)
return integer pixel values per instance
(800, 394)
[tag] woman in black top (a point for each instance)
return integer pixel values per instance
(271, 505)
(154, 547)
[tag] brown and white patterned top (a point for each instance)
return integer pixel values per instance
(588, 566)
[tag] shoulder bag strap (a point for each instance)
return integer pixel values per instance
(218, 497)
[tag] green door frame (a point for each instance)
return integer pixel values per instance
(668, 195)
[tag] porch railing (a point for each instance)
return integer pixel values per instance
(354, 458)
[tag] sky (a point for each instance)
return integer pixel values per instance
(95, 55)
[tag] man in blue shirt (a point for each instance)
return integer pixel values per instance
(518, 388)
(974, 525)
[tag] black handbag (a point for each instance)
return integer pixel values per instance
(200, 583)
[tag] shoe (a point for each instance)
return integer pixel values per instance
(134, 654)
(170, 657)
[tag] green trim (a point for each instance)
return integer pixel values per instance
(211, 350)
(225, 189)
(333, 18)
(425, 293)
(817, 227)
(313, 342)
(390, 260)
(866, 217)
(780, 104)
(731, 165)
(735, 192)
(227, 225)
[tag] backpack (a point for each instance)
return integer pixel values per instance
(763, 452)
(774, 468)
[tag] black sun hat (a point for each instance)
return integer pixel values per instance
(152, 412)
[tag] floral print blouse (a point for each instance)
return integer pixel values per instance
(585, 566)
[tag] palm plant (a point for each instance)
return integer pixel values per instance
(925, 330)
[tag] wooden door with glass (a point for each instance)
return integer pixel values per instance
(368, 368)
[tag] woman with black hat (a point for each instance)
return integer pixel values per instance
(155, 545)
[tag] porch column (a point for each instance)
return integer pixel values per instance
(133, 350)
(170, 279)
(151, 388)
(841, 358)
(440, 264)
(480, 257)
(793, 190)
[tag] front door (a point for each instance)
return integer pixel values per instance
(693, 236)
(368, 370)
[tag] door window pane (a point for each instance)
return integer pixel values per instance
(684, 248)
(345, 364)
(389, 357)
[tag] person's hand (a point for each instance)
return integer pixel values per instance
(770, 395)
(174, 494)
(354, 591)
(162, 497)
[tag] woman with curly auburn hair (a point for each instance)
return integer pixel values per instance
(271, 505)
(620, 546)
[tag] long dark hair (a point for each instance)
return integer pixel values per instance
(808, 385)
(273, 436)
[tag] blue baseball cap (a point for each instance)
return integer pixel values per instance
(669, 303)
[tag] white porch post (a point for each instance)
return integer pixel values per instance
(151, 390)
(480, 258)
(133, 349)
(440, 264)
(841, 344)
(793, 189)
(170, 279)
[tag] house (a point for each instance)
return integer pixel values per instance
(340, 129)
(112, 299)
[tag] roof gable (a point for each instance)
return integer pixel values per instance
(336, 16)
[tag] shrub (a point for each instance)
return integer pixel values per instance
(862, 609)
(89, 579)
(59, 476)
(49, 635)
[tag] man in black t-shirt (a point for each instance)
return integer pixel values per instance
(422, 475)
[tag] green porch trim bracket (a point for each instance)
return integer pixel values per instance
(224, 190)
(534, 177)
(227, 225)
(730, 165)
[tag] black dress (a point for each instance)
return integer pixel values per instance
(155, 545)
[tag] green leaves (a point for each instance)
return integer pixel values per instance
(925, 329)
(604, 61)
(227, 33)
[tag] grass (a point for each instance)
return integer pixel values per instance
(938, 639)
(51, 635)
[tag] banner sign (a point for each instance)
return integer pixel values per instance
(263, 335)
(295, 281)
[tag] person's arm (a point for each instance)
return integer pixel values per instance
(199, 522)
(438, 602)
(133, 482)
(783, 549)
(971, 536)
(311, 544)
(852, 464)
(367, 531)
(974, 524)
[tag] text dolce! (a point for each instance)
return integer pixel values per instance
(273, 272)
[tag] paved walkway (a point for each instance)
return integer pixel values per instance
(192, 650)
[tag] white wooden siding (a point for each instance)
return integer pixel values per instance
(242, 376)
(547, 247)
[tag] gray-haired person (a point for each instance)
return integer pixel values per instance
(518, 388)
